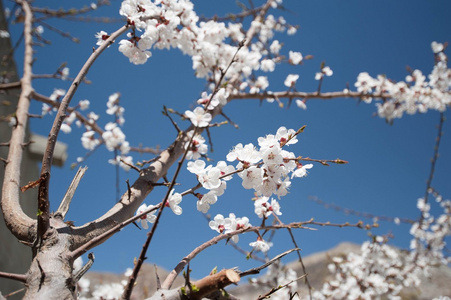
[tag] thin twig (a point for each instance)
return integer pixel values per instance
(308, 95)
(10, 85)
(166, 113)
(297, 225)
(267, 264)
(18, 277)
(359, 214)
(275, 289)
(82, 249)
(12, 293)
(299, 256)
(129, 287)
(435, 156)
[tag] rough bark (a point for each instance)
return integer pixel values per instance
(22, 226)
(50, 274)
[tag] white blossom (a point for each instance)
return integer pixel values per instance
(291, 79)
(199, 117)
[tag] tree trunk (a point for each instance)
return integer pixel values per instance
(50, 275)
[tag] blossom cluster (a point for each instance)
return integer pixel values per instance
(267, 169)
(212, 178)
(377, 271)
(380, 270)
(230, 224)
(112, 136)
(430, 232)
(416, 94)
(211, 44)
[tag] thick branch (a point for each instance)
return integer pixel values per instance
(128, 204)
(17, 221)
(212, 283)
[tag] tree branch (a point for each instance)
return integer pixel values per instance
(312, 95)
(18, 277)
(267, 264)
(43, 201)
(64, 206)
(22, 226)
(214, 282)
(298, 225)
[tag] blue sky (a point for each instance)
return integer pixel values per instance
(388, 164)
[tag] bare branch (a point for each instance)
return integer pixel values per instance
(10, 85)
(131, 282)
(312, 95)
(85, 268)
(275, 289)
(267, 264)
(101, 237)
(43, 202)
(214, 282)
(359, 214)
(16, 220)
(64, 206)
(296, 225)
(59, 118)
(18, 277)
(435, 156)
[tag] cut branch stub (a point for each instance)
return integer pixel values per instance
(64, 206)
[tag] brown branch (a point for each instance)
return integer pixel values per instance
(101, 237)
(312, 95)
(324, 162)
(435, 156)
(43, 203)
(275, 289)
(18, 277)
(297, 225)
(231, 17)
(131, 282)
(257, 270)
(16, 220)
(10, 85)
(60, 32)
(60, 116)
(359, 214)
(85, 268)
(11, 294)
(212, 283)
(69, 12)
(307, 282)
